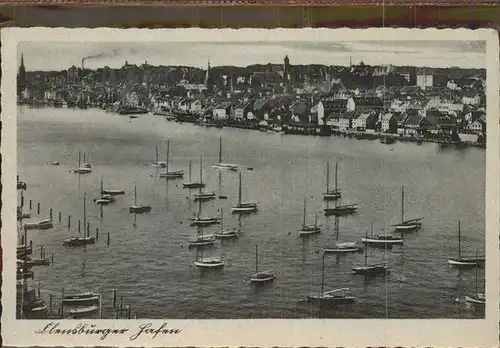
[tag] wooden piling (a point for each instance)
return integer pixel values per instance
(114, 298)
(128, 311)
(88, 229)
(38, 208)
(22, 199)
(50, 304)
(60, 217)
(50, 214)
(121, 306)
(52, 261)
(31, 244)
(79, 230)
(69, 222)
(108, 239)
(97, 234)
(30, 204)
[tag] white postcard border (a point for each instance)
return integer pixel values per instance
(261, 333)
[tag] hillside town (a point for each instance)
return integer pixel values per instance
(444, 105)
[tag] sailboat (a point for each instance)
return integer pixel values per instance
(171, 174)
(465, 261)
(226, 233)
(105, 199)
(202, 240)
(333, 297)
(208, 262)
(478, 298)
(86, 239)
(262, 276)
(138, 209)
(86, 164)
(204, 221)
(244, 207)
(203, 196)
(157, 162)
(340, 209)
(309, 229)
(345, 247)
(382, 239)
(334, 194)
(193, 184)
(81, 169)
(372, 269)
(222, 165)
(111, 192)
(408, 225)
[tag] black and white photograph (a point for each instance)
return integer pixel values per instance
(287, 177)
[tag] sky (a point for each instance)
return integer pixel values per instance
(61, 55)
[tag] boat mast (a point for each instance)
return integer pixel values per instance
(239, 192)
(402, 204)
(220, 150)
(316, 220)
(304, 219)
(257, 259)
(459, 242)
(189, 170)
(366, 249)
(79, 159)
(337, 227)
(323, 275)
(101, 186)
(327, 177)
(201, 171)
(336, 171)
(477, 292)
(84, 214)
(221, 219)
(168, 154)
(156, 153)
(84, 158)
(135, 195)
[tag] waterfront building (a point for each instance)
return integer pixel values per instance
(389, 123)
(366, 120)
(222, 111)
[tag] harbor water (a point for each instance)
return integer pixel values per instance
(148, 260)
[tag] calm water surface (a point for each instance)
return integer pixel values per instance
(148, 260)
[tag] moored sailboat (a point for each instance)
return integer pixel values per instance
(342, 247)
(81, 169)
(309, 229)
(171, 174)
(479, 298)
(334, 194)
(222, 165)
(243, 207)
(407, 225)
(203, 196)
(78, 240)
(260, 277)
(381, 239)
(332, 297)
(226, 233)
(157, 162)
(208, 262)
(139, 209)
(204, 221)
(465, 262)
(193, 184)
(373, 269)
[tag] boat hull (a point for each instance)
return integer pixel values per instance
(340, 211)
(140, 209)
(80, 300)
(257, 280)
(83, 312)
(407, 227)
(308, 232)
(205, 222)
(342, 250)
(202, 264)
(370, 270)
(475, 300)
(466, 262)
(74, 242)
(193, 185)
(113, 192)
(382, 241)
(227, 235)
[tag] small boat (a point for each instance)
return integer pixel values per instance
(40, 225)
(23, 274)
(334, 194)
(112, 192)
(341, 210)
(465, 262)
(193, 184)
(226, 233)
(81, 299)
(81, 169)
(86, 239)
(478, 298)
(260, 277)
(55, 163)
(38, 262)
(382, 240)
(202, 240)
(105, 199)
(21, 185)
(82, 312)
(171, 174)
(407, 225)
(205, 196)
(344, 247)
(373, 269)
(138, 209)
(332, 297)
(131, 110)
(307, 230)
(204, 221)
(158, 163)
(222, 165)
(208, 262)
(244, 207)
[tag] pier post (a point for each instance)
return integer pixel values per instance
(38, 208)
(128, 311)
(69, 222)
(121, 306)
(88, 229)
(31, 244)
(52, 261)
(30, 204)
(22, 199)
(97, 234)
(50, 214)
(50, 304)
(79, 230)
(41, 251)
(60, 217)
(108, 239)
(39, 289)
(114, 298)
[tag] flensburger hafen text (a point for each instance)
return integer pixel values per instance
(143, 330)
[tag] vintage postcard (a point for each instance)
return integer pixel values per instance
(200, 187)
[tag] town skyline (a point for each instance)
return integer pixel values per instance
(437, 54)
